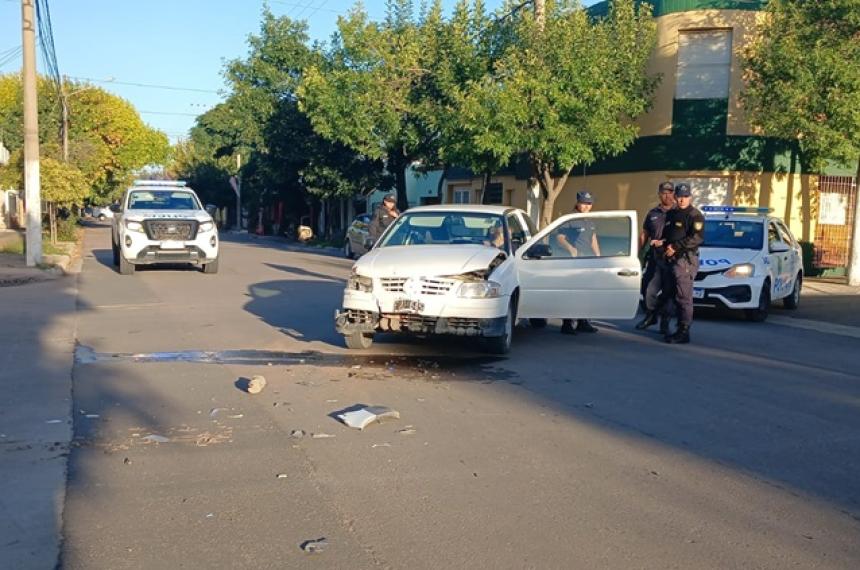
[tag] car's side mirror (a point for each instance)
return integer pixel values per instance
(115, 208)
(779, 247)
(537, 251)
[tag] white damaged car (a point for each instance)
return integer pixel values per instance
(748, 260)
(473, 270)
(163, 222)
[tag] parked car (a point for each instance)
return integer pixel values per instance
(163, 222)
(748, 260)
(102, 213)
(357, 241)
(472, 270)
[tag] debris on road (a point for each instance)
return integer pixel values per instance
(256, 384)
(363, 416)
(214, 411)
(297, 434)
(322, 435)
(155, 438)
(236, 416)
(589, 405)
(315, 546)
(281, 475)
(384, 444)
(53, 421)
(408, 430)
(126, 461)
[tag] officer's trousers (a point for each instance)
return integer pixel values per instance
(678, 288)
(653, 282)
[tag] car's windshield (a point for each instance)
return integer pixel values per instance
(734, 234)
(162, 200)
(446, 228)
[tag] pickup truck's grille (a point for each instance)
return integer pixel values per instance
(179, 230)
(429, 285)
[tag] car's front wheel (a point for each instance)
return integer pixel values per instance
(125, 266)
(502, 344)
(347, 250)
(212, 267)
(358, 340)
(793, 300)
(759, 314)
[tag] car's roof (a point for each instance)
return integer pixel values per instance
(466, 208)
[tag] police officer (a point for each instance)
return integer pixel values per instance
(382, 218)
(580, 240)
(652, 232)
(683, 233)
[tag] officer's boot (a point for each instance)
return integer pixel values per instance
(650, 319)
(681, 336)
(583, 325)
(567, 327)
(664, 325)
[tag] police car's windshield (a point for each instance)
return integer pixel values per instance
(446, 228)
(162, 200)
(734, 234)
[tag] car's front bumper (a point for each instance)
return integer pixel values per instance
(140, 250)
(724, 292)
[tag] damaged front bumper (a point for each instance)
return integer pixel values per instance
(349, 321)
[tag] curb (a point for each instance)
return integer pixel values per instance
(284, 244)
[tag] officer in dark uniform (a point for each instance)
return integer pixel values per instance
(580, 240)
(382, 218)
(655, 264)
(683, 234)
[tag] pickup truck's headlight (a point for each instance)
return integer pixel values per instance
(480, 290)
(206, 227)
(134, 227)
(740, 271)
(360, 283)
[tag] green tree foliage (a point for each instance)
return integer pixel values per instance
(565, 94)
(108, 141)
(803, 77)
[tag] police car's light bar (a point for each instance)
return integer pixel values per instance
(167, 183)
(736, 209)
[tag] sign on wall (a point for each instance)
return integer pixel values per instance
(832, 208)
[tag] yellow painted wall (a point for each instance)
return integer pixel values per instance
(664, 61)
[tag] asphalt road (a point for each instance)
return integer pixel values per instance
(612, 450)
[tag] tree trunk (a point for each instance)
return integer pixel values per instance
(550, 189)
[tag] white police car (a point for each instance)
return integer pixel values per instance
(748, 260)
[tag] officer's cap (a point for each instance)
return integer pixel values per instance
(682, 190)
(666, 186)
(389, 198)
(584, 197)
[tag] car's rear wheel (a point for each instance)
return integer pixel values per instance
(793, 300)
(212, 267)
(502, 344)
(125, 267)
(347, 250)
(358, 340)
(537, 323)
(759, 314)
(102, 217)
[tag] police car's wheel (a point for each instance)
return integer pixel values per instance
(759, 314)
(793, 300)
(211, 267)
(115, 250)
(537, 323)
(125, 268)
(358, 340)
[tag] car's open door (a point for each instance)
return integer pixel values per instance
(561, 276)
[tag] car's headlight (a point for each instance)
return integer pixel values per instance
(740, 271)
(206, 227)
(360, 283)
(480, 290)
(134, 227)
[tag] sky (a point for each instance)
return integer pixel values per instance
(174, 50)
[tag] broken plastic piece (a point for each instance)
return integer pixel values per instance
(362, 417)
(214, 411)
(297, 434)
(155, 438)
(322, 435)
(256, 384)
(408, 430)
(315, 546)
(281, 475)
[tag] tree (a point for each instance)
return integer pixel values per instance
(564, 93)
(803, 84)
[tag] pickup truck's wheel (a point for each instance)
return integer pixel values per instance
(759, 314)
(125, 267)
(358, 340)
(537, 323)
(211, 267)
(502, 344)
(115, 250)
(793, 300)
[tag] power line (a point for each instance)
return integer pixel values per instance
(170, 113)
(297, 5)
(147, 85)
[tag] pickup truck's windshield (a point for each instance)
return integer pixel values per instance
(734, 234)
(162, 200)
(447, 228)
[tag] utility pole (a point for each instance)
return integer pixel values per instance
(854, 259)
(32, 190)
(236, 184)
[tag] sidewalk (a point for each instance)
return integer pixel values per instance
(37, 331)
(827, 301)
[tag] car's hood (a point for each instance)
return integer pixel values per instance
(426, 260)
(712, 258)
(138, 215)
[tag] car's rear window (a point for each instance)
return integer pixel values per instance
(162, 200)
(734, 234)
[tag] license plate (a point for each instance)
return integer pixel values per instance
(408, 306)
(698, 293)
(170, 244)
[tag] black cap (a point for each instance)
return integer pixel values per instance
(389, 198)
(666, 186)
(682, 190)
(584, 197)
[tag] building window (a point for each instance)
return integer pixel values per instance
(704, 64)
(461, 195)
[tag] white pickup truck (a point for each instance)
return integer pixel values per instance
(162, 222)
